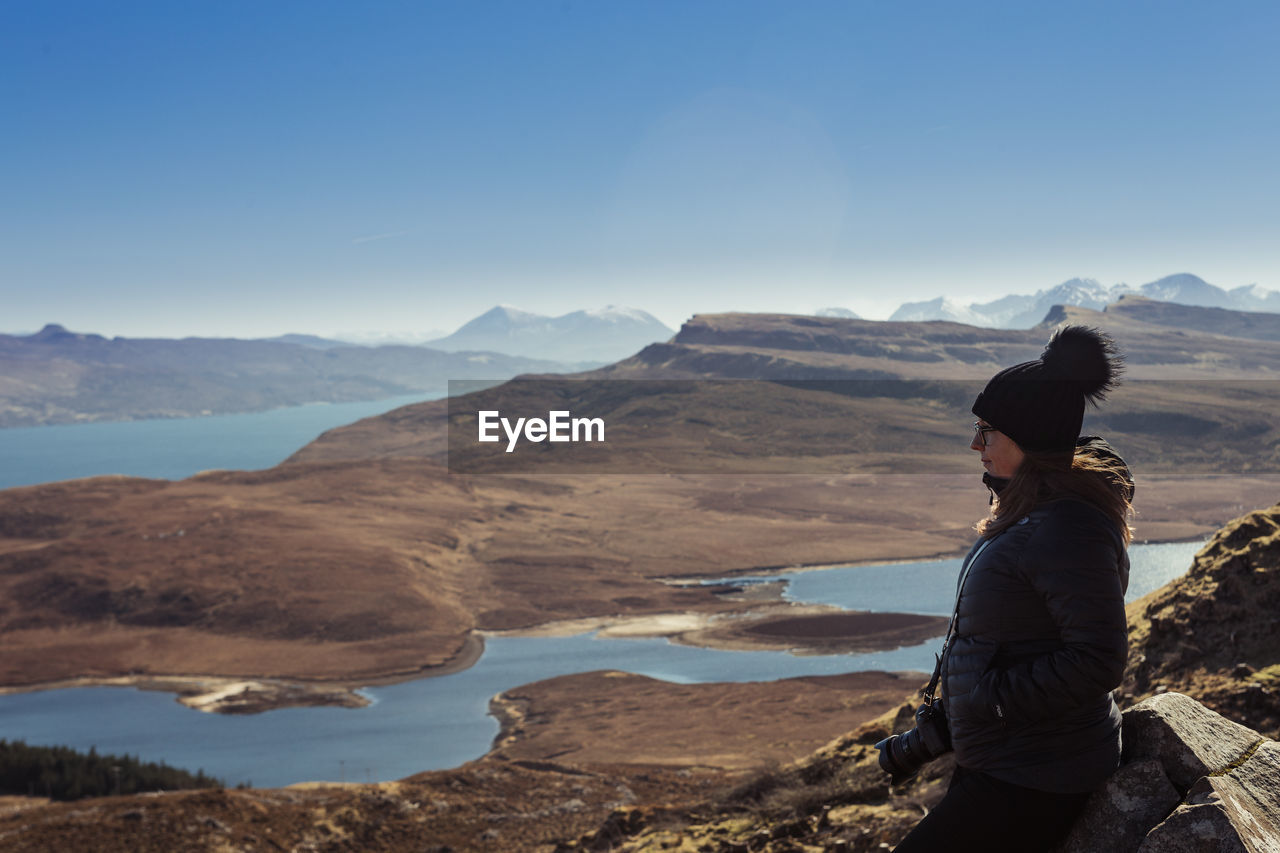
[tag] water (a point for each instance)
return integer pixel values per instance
(177, 448)
(435, 723)
(929, 586)
(429, 723)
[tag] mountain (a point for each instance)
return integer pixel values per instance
(795, 768)
(1251, 297)
(57, 376)
(1165, 418)
(369, 556)
(780, 346)
(384, 339)
(373, 553)
(313, 341)
(598, 336)
(1252, 325)
(1186, 289)
(937, 309)
(1022, 311)
(842, 313)
(1016, 311)
(1211, 633)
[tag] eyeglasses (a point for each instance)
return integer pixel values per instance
(980, 432)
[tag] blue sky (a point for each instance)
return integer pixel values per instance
(217, 167)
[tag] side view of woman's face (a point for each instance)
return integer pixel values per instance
(1001, 455)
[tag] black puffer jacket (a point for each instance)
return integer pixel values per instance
(1041, 640)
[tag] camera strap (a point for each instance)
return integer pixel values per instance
(929, 693)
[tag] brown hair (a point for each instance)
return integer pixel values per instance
(1097, 479)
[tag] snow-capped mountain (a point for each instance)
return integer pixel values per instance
(1252, 294)
(938, 309)
(1022, 311)
(838, 313)
(1187, 289)
(596, 336)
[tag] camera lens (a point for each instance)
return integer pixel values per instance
(902, 756)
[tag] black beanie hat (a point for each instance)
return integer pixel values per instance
(1040, 404)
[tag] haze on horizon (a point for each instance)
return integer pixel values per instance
(243, 169)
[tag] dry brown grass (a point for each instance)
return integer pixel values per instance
(364, 557)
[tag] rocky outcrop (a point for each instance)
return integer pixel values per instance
(1198, 775)
(1214, 633)
(1192, 781)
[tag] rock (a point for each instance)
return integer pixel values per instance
(1195, 828)
(1191, 781)
(1137, 797)
(1187, 738)
(1211, 633)
(1235, 810)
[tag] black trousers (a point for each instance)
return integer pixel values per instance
(981, 813)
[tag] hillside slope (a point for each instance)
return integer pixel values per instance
(56, 376)
(1215, 321)
(1214, 633)
(544, 787)
(370, 554)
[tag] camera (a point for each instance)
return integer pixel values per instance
(902, 756)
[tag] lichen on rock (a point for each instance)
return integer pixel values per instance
(1191, 781)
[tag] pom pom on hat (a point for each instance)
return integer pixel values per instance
(1040, 404)
(1086, 356)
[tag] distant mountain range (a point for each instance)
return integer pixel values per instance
(58, 376)
(597, 337)
(578, 340)
(1130, 309)
(313, 341)
(368, 553)
(1020, 311)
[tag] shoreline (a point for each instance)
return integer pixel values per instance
(248, 694)
(848, 631)
(797, 568)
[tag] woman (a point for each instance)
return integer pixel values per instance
(1039, 637)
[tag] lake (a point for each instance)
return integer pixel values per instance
(435, 723)
(429, 723)
(175, 448)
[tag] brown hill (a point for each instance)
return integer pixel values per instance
(1215, 321)
(360, 570)
(567, 774)
(366, 556)
(934, 361)
(847, 395)
(283, 572)
(521, 807)
(573, 751)
(771, 346)
(610, 717)
(56, 376)
(1214, 633)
